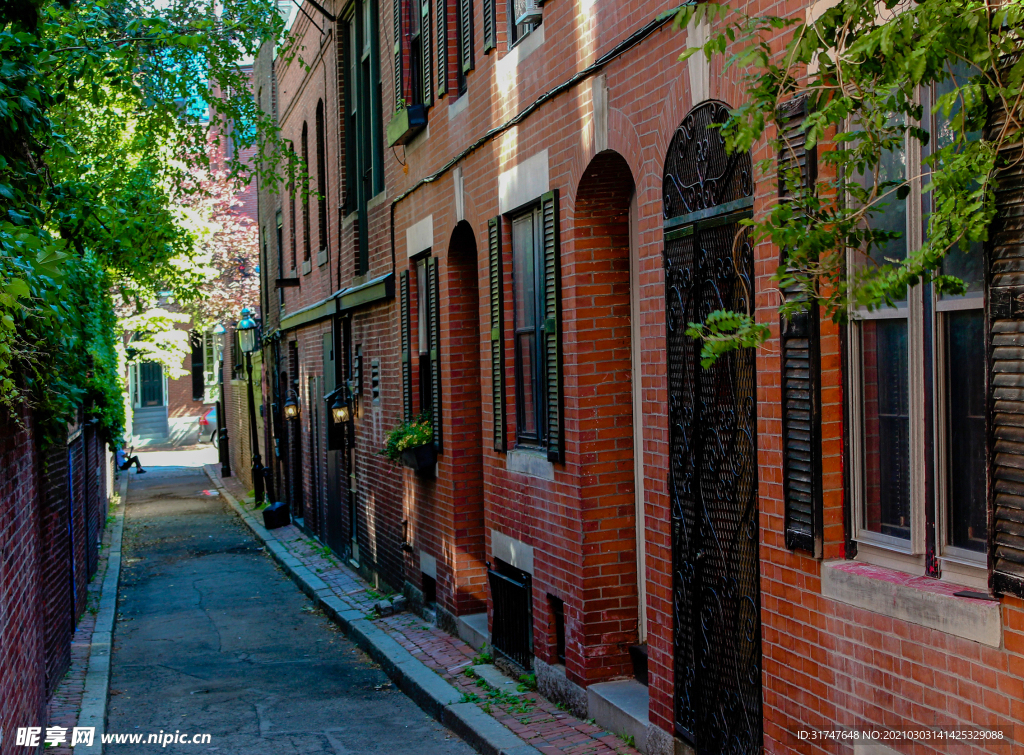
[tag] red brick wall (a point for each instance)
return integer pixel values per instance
(37, 611)
(22, 615)
(824, 662)
(56, 563)
(597, 295)
(591, 498)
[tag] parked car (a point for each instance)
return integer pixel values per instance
(208, 425)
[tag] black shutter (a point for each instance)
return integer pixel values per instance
(801, 369)
(398, 52)
(1005, 256)
(466, 35)
(434, 334)
(403, 314)
(489, 26)
(552, 353)
(428, 54)
(497, 286)
(198, 374)
(442, 47)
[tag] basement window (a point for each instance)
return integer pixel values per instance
(558, 618)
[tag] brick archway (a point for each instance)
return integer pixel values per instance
(606, 621)
(464, 411)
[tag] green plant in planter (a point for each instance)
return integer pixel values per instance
(407, 435)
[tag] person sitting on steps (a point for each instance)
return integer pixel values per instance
(125, 462)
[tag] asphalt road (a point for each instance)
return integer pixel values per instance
(212, 638)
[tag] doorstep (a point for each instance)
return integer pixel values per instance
(621, 708)
(473, 630)
(493, 676)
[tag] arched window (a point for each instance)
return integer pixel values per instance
(321, 177)
(291, 194)
(305, 192)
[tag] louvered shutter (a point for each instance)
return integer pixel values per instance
(552, 353)
(398, 52)
(801, 362)
(403, 314)
(428, 54)
(466, 35)
(1005, 253)
(442, 47)
(434, 334)
(497, 331)
(489, 26)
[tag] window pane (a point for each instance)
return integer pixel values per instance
(524, 274)
(965, 412)
(889, 214)
(966, 262)
(886, 413)
(421, 306)
(525, 344)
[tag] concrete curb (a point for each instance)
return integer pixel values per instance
(426, 688)
(97, 676)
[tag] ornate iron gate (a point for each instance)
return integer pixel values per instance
(713, 444)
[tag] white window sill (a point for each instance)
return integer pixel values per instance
(307, 266)
(321, 258)
(526, 45)
(918, 600)
(527, 461)
(458, 106)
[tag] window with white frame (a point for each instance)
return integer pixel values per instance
(524, 17)
(918, 396)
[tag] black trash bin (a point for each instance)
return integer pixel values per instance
(276, 515)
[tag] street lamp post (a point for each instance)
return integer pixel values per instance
(247, 338)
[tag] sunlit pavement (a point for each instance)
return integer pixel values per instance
(211, 638)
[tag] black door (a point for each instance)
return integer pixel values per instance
(713, 444)
(151, 384)
(334, 535)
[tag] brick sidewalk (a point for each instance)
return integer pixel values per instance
(538, 721)
(66, 703)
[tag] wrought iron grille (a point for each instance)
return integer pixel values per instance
(713, 463)
(512, 625)
(699, 173)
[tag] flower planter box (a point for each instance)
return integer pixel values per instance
(406, 123)
(420, 458)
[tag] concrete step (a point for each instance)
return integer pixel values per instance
(493, 676)
(621, 708)
(473, 630)
(148, 411)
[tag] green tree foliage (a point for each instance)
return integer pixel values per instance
(107, 108)
(862, 65)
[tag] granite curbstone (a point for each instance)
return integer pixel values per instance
(95, 694)
(424, 686)
(482, 732)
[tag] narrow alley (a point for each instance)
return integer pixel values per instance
(212, 638)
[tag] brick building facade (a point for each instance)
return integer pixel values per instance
(53, 508)
(508, 225)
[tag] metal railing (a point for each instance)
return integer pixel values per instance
(512, 627)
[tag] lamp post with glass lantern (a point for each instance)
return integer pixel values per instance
(248, 341)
